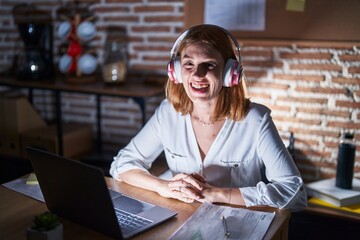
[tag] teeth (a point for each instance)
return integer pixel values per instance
(200, 85)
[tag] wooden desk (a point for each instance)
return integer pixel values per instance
(135, 88)
(17, 212)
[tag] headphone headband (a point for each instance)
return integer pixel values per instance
(173, 51)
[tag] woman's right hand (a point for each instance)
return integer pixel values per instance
(185, 187)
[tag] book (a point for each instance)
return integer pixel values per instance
(327, 191)
(355, 208)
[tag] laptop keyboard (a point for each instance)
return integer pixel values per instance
(130, 222)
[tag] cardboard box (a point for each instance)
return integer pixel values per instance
(16, 117)
(77, 139)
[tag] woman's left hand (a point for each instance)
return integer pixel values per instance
(188, 187)
(212, 194)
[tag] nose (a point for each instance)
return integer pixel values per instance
(200, 70)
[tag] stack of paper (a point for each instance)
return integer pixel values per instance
(208, 223)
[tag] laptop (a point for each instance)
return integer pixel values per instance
(78, 192)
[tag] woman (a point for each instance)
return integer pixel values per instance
(219, 146)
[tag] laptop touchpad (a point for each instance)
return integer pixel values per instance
(130, 205)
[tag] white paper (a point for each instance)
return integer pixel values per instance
(206, 223)
(246, 15)
(19, 185)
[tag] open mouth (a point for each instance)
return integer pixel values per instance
(199, 87)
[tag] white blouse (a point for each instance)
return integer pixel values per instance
(247, 154)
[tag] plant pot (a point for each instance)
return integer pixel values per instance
(53, 234)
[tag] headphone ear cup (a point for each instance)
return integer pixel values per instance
(232, 73)
(174, 70)
(171, 71)
(177, 67)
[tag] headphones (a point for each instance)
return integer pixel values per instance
(232, 71)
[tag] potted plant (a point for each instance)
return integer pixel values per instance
(46, 227)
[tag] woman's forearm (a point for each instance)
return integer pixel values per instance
(142, 179)
(147, 181)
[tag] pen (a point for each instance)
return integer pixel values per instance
(226, 230)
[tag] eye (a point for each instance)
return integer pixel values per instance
(188, 64)
(211, 65)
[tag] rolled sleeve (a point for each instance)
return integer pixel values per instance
(287, 194)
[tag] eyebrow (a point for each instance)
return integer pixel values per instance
(206, 60)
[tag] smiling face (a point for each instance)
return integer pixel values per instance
(202, 70)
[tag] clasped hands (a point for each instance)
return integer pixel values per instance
(189, 187)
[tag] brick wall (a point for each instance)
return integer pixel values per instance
(313, 88)
(313, 91)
